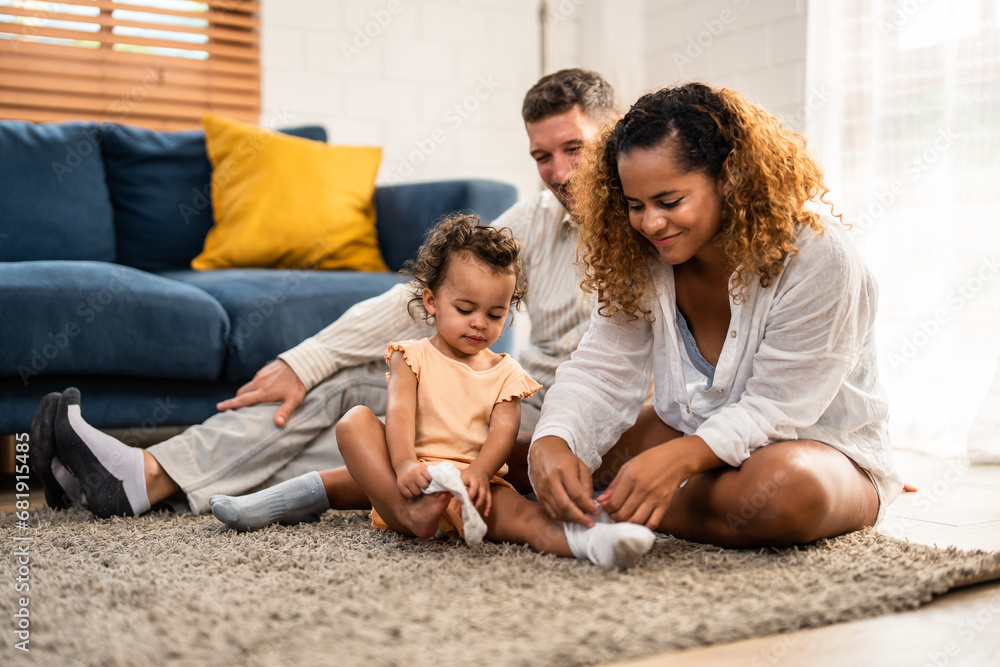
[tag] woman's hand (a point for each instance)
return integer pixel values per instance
(562, 481)
(412, 478)
(478, 484)
(644, 486)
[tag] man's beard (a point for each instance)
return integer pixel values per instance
(562, 193)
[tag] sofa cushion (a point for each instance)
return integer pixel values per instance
(54, 201)
(282, 202)
(98, 318)
(273, 310)
(407, 211)
(160, 184)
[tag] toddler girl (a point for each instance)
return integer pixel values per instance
(453, 399)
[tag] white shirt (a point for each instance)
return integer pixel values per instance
(799, 362)
(559, 310)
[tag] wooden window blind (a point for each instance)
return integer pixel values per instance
(156, 63)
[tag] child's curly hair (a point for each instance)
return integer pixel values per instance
(464, 234)
(771, 175)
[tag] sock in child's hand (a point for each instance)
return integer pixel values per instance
(446, 477)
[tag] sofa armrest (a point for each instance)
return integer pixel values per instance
(405, 212)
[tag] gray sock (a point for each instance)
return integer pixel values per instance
(294, 501)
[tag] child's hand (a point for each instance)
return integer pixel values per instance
(478, 484)
(412, 479)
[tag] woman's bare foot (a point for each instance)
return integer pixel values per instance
(421, 515)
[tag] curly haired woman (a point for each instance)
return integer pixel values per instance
(719, 272)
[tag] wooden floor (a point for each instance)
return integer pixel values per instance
(956, 505)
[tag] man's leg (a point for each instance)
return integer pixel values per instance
(231, 452)
(238, 451)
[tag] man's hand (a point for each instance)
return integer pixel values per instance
(274, 383)
(412, 478)
(478, 484)
(562, 481)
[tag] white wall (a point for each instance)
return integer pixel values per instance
(438, 84)
(757, 47)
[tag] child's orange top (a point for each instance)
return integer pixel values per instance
(455, 402)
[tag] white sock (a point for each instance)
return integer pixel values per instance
(302, 498)
(67, 482)
(122, 461)
(609, 545)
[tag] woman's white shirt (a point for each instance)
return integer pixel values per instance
(799, 362)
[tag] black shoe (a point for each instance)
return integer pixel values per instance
(43, 450)
(105, 493)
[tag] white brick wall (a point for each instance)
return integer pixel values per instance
(436, 83)
(755, 46)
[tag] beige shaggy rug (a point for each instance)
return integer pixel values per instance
(180, 590)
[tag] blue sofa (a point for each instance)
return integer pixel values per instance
(98, 226)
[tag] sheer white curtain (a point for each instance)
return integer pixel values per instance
(905, 118)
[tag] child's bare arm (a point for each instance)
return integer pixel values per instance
(505, 420)
(400, 428)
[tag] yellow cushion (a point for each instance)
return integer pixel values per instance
(286, 202)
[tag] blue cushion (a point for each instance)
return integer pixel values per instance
(160, 185)
(405, 212)
(273, 310)
(96, 318)
(54, 200)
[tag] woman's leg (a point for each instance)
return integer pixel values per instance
(785, 493)
(362, 443)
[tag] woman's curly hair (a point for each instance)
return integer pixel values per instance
(457, 235)
(770, 174)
